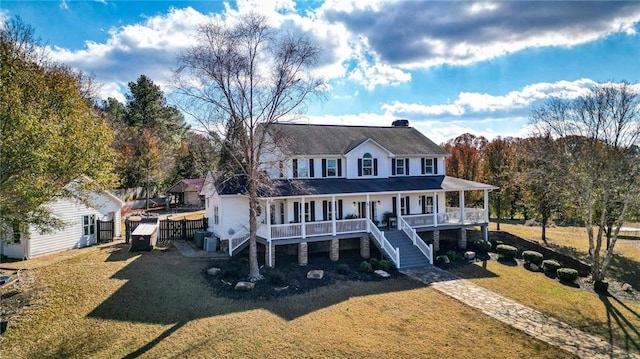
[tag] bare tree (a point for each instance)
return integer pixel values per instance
(246, 77)
(598, 134)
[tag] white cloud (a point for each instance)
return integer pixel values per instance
(64, 5)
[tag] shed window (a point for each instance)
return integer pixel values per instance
(88, 225)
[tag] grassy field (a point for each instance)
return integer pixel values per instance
(112, 304)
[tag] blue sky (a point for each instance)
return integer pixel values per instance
(448, 67)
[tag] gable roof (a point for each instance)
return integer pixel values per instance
(192, 184)
(305, 139)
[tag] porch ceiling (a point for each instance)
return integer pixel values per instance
(328, 186)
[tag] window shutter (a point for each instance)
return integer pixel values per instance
(422, 165)
(296, 211)
(393, 166)
(359, 167)
(324, 167)
(295, 168)
(406, 166)
(325, 210)
(339, 209)
(406, 204)
(375, 166)
(312, 210)
(339, 167)
(311, 174)
(435, 166)
(394, 202)
(423, 200)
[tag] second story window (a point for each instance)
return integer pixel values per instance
(332, 167)
(429, 166)
(367, 165)
(302, 168)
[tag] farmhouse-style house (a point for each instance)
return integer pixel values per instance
(330, 184)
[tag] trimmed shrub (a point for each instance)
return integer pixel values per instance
(550, 266)
(365, 267)
(506, 251)
(532, 257)
(567, 274)
(385, 265)
(483, 246)
(453, 255)
(343, 269)
(374, 263)
(601, 286)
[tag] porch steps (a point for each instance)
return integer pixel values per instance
(410, 255)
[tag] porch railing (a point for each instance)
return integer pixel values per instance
(311, 229)
(426, 249)
(393, 253)
(471, 215)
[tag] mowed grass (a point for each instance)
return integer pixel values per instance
(617, 321)
(113, 304)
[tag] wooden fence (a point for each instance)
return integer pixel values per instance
(183, 229)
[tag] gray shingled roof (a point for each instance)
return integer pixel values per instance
(304, 139)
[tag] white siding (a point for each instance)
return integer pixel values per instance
(384, 162)
(233, 212)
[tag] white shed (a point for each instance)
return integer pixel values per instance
(80, 228)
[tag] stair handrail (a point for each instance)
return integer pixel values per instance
(236, 242)
(385, 245)
(426, 249)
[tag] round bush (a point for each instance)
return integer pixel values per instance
(532, 257)
(506, 251)
(384, 264)
(365, 267)
(550, 266)
(483, 246)
(601, 286)
(374, 263)
(567, 274)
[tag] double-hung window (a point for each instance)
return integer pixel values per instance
(428, 166)
(400, 167)
(216, 215)
(88, 225)
(303, 168)
(367, 165)
(332, 167)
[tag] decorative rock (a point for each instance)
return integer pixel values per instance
(627, 287)
(469, 255)
(381, 274)
(315, 274)
(244, 286)
(214, 271)
(442, 259)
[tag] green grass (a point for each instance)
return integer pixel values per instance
(113, 304)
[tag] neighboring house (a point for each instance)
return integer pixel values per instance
(80, 227)
(185, 193)
(334, 183)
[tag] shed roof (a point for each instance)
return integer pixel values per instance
(306, 139)
(187, 184)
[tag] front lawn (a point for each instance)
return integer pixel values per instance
(113, 304)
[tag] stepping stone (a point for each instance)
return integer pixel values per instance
(627, 287)
(245, 286)
(214, 271)
(381, 274)
(315, 274)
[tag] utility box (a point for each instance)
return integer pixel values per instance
(198, 238)
(145, 236)
(210, 244)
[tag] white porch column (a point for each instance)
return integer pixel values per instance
(302, 220)
(334, 205)
(435, 210)
(461, 195)
(398, 209)
(267, 204)
(486, 206)
(368, 214)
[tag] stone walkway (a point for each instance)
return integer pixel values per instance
(528, 320)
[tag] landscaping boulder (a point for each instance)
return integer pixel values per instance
(381, 274)
(627, 288)
(214, 271)
(245, 286)
(469, 255)
(315, 274)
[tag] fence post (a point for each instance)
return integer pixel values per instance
(183, 224)
(205, 223)
(127, 230)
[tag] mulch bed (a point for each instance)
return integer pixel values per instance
(287, 278)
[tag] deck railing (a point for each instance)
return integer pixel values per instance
(471, 215)
(312, 229)
(393, 253)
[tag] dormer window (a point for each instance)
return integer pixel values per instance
(367, 165)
